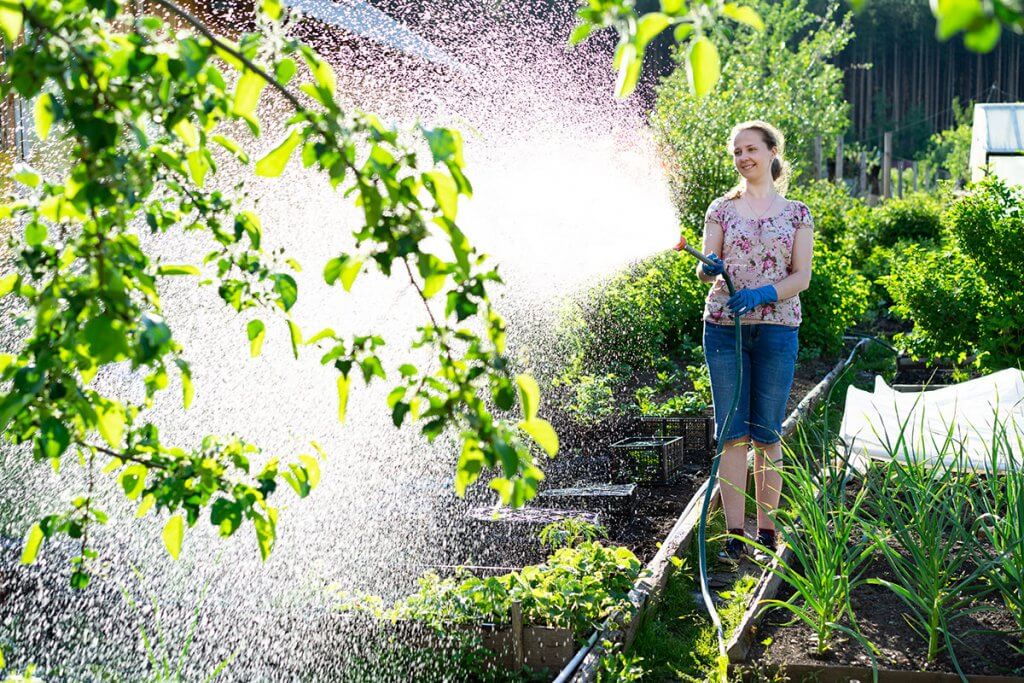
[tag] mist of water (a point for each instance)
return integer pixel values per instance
(567, 189)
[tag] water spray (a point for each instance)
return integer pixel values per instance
(723, 658)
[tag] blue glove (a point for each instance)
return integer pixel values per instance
(716, 269)
(746, 300)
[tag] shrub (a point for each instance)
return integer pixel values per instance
(642, 314)
(938, 290)
(916, 217)
(965, 297)
(830, 206)
(835, 300)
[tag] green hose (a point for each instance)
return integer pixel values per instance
(723, 659)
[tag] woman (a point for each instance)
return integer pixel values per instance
(765, 242)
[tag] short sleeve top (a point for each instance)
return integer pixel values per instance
(756, 252)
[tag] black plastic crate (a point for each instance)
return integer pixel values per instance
(697, 433)
(647, 459)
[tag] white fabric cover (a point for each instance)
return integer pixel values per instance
(978, 411)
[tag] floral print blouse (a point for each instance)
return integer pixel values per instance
(756, 252)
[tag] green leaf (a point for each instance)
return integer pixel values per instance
(273, 164)
(444, 190)
(324, 76)
(284, 70)
(704, 66)
(673, 6)
(44, 114)
(177, 269)
(326, 333)
(188, 133)
(148, 501)
(543, 433)
(343, 386)
(983, 39)
(173, 535)
(743, 14)
(272, 8)
(7, 283)
(286, 289)
(110, 422)
(256, 330)
(197, 166)
(682, 32)
(433, 284)
(231, 146)
(649, 26)
(10, 20)
(312, 469)
(529, 396)
(580, 33)
(54, 437)
(295, 334)
(249, 223)
(349, 271)
(133, 480)
(187, 391)
(32, 542)
(247, 95)
(955, 15)
(630, 63)
(35, 233)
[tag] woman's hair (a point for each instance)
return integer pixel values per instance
(773, 139)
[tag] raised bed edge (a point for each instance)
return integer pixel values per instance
(844, 674)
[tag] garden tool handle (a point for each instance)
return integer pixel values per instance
(683, 246)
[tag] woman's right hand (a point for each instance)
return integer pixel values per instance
(712, 270)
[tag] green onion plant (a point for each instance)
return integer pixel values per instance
(924, 517)
(819, 520)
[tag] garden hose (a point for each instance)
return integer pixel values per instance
(723, 659)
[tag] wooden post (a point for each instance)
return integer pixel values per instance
(887, 165)
(518, 648)
(914, 172)
(839, 159)
(863, 173)
(899, 180)
(818, 165)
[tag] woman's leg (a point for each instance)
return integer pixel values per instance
(732, 481)
(773, 361)
(767, 481)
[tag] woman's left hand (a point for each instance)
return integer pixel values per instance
(746, 300)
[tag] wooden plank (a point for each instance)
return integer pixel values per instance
(887, 165)
(839, 159)
(847, 674)
(518, 653)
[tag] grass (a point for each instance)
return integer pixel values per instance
(677, 642)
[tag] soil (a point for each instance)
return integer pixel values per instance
(986, 649)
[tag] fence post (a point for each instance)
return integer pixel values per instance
(899, 180)
(887, 165)
(818, 159)
(863, 162)
(839, 159)
(914, 167)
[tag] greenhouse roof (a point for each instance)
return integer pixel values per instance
(367, 21)
(1004, 127)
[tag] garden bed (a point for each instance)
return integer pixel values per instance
(880, 615)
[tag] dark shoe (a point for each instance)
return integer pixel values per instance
(768, 539)
(733, 551)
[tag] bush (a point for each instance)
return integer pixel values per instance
(965, 297)
(831, 206)
(783, 75)
(938, 291)
(640, 315)
(916, 217)
(835, 300)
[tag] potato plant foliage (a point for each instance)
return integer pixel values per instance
(141, 106)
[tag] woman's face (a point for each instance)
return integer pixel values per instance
(751, 155)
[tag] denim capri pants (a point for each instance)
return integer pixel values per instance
(769, 360)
